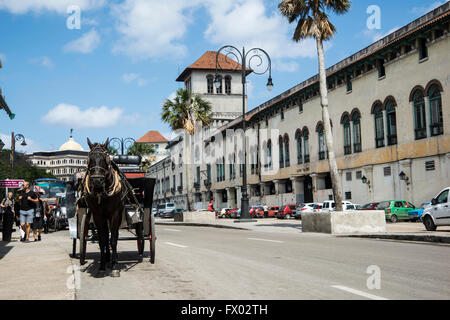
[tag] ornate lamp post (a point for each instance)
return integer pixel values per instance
(260, 63)
(121, 144)
(14, 139)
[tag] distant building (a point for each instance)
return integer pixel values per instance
(63, 163)
(158, 141)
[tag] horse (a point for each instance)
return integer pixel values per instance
(103, 193)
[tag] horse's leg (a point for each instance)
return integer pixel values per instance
(102, 228)
(115, 224)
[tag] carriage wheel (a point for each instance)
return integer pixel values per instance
(152, 239)
(140, 238)
(83, 238)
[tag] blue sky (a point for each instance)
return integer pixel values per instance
(110, 77)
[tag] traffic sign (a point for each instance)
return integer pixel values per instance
(11, 183)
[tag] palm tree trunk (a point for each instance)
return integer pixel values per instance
(327, 126)
(188, 170)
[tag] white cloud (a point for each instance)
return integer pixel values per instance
(131, 77)
(420, 11)
(72, 116)
(42, 61)
(152, 28)
(86, 44)
(248, 23)
(59, 6)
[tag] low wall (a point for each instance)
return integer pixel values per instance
(348, 222)
(196, 216)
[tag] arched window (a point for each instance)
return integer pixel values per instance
(322, 149)
(269, 155)
(379, 126)
(281, 153)
(228, 85)
(287, 162)
(391, 123)
(437, 127)
(298, 138)
(347, 135)
(420, 122)
(306, 146)
(210, 81)
(356, 119)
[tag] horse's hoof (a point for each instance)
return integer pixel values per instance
(140, 258)
(115, 273)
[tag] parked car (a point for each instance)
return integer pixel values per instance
(307, 208)
(236, 213)
(259, 213)
(287, 212)
(370, 206)
(253, 211)
(438, 213)
(164, 208)
(416, 214)
(357, 206)
(272, 213)
(396, 210)
(330, 205)
(223, 213)
(171, 213)
(154, 211)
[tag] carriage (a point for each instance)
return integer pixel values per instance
(137, 216)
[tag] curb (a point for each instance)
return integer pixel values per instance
(191, 224)
(404, 237)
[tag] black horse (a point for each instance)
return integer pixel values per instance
(103, 191)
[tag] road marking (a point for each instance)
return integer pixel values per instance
(175, 245)
(360, 293)
(266, 240)
(175, 230)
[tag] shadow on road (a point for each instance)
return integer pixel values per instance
(127, 261)
(281, 225)
(4, 248)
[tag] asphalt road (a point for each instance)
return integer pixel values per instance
(210, 263)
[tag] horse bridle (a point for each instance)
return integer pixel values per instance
(101, 151)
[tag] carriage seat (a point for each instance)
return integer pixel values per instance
(127, 160)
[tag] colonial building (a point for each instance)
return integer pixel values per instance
(390, 117)
(159, 142)
(62, 163)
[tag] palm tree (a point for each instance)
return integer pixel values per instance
(140, 149)
(182, 113)
(313, 22)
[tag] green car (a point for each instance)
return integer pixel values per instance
(396, 210)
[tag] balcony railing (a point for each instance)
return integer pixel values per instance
(421, 133)
(380, 142)
(196, 185)
(392, 140)
(322, 155)
(436, 129)
(307, 158)
(357, 147)
(347, 150)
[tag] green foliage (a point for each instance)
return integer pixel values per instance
(113, 151)
(141, 149)
(184, 110)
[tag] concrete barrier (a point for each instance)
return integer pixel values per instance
(348, 222)
(195, 217)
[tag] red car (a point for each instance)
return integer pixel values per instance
(287, 212)
(370, 206)
(259, 213)
(273, 211)
(254, 211)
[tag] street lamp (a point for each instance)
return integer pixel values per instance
(255, 59)
(122, 143)
(14, 139)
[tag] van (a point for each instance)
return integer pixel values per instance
(331, 206)
(164, 208)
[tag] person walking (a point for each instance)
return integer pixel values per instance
(28, 201)
(39, 217)
(211, 206)
(7, 206)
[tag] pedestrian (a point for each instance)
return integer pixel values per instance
(39, 217)
(28, 201)
(7, 206)
(211, 206)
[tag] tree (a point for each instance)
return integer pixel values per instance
(182, 113)
(140, 149)
(313, 22)
(112, 151)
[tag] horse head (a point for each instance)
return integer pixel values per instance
(99, 166)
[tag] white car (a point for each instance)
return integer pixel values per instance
(438, 213)
(222, 213)
(331, 206)
(307, 208)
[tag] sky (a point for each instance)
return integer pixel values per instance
(104, 68)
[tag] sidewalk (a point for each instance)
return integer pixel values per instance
(409, 231)
(35, 270)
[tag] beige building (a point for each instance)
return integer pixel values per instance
(63, 163)
(389, 108)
